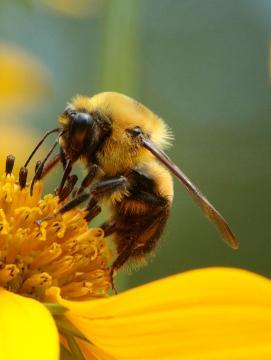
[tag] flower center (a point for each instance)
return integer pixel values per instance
(60, 251)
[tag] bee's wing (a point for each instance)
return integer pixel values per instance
(208, 209)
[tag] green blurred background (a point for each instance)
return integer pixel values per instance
(203, 65)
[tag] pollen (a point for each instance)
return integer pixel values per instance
(41, 248)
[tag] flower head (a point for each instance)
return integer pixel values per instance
(61, 251)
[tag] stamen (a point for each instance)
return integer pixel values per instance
(23, 177)
(62, 251)
(46, 257)
(9, 272)
(4, 225)
(62, 267)
(9, 164)
(37, 281)
(59, 228)
(77, 289)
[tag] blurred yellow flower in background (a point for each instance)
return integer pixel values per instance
(73, 8)
(24, 81)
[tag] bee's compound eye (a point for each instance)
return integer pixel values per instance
(135, 131)
(81, 121)
(82, 118)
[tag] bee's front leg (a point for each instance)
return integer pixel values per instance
(102, 188)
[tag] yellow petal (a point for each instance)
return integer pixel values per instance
(209, 314)
(27, 330)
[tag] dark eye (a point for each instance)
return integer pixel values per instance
(135, 131)
(81, 119)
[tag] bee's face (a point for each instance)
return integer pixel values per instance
(83, 132)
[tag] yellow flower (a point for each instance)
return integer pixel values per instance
(40, 247)
(210, 314)
(24, 81)
(24, 84)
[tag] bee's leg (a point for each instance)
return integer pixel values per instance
(122, 258)
(65, 176)
(88, 179)
(108, 228)
(109, 186)
(67, 166)
(67, 207)
(93, 209)
(68, 188)
(63, 158)
(98, 190)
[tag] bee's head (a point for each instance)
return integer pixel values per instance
(83, 131)
(80, 122)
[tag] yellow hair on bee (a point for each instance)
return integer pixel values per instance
(125, 113)
(129, 113)
(125, 141)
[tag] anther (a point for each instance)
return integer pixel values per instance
(23, 177)
(65, 208)
(9, 164)
(38, 170)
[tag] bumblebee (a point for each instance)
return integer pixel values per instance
(121, 143)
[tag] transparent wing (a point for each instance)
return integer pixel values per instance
(208, 209)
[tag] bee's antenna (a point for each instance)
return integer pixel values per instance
(39, 144)
(39, 169)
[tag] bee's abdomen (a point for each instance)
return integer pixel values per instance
(145, 229)
(140, 221)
